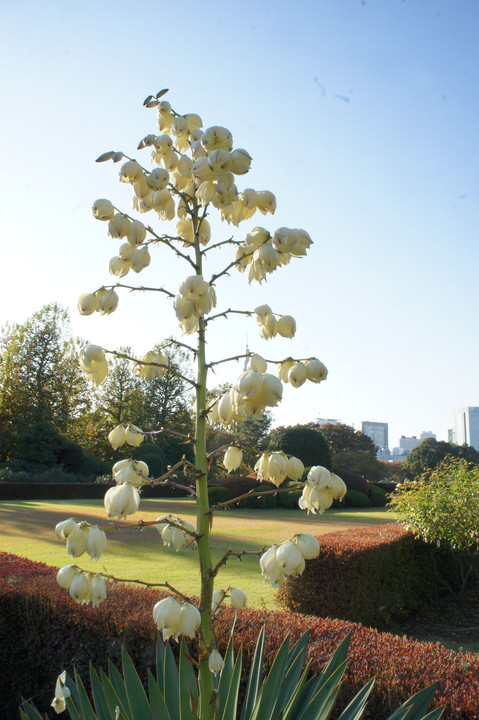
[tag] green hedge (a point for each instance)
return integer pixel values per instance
(45, 632)
(260, 502)
(378, 496)
(374, 576)
(75, 491)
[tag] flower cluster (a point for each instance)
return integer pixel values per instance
(296, 372)
(81, 537)
(195, 298)
(288, 558)
(93, 363)
(236, 595)
(153, 364)
(269, 326)
(320, 489)
(276, 467)
(103, 301)
(121, 501)
(175, 619)
(130, 471)
(178, 535)
(122, 434)
(262, 253)
(252, 392)
(84, 587)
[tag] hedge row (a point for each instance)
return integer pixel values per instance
(375, 576)
(74, 491)
(51, 632)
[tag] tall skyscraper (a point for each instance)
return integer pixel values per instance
(465, 426)
(377, 431)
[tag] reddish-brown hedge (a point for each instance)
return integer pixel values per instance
(375, 576)
(42, 631)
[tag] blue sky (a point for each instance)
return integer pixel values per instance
(361, 117)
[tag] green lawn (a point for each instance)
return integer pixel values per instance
(27, 529)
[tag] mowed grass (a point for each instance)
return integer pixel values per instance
(27, 529)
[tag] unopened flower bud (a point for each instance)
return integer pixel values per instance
(215, 662)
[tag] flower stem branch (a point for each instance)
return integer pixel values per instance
(141, 288)
(155, 364)
(237, 554)
(260, 493)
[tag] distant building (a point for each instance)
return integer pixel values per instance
(327, 421)
(406, 444)
(465, 427)
(378, 432)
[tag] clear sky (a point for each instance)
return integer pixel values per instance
(361, 117)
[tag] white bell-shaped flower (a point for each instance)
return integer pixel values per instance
(77, 542)
(232, 458)
(96, 542)
(166, 613)
(66, 574)
(80, 588)
(237, 598)
(308, 545)
(98, 590)
(289, 557)
(117, 437)
(65, 527)
(121, 501)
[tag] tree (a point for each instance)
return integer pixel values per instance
(303, 442)
(40, 378)
(159, 402)
(362, 463)
(428, 454)
(343, 438)
(442, 509)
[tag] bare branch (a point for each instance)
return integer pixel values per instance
(141, 288)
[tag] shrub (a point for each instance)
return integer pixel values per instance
(261, 502)
(304, 443)
(377, 496)
(353, 498)
(375, 576)
(352, 480)
(218, 494)
(442, 508)
(8, 475)
(51, 491)
(238, 484)
(47, 625)
(289, 500)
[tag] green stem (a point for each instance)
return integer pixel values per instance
(206, 706)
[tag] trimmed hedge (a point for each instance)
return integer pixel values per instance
(378, 496)
(238, 484)
(374, 576)
(218, 494)
(261, 502)
(51, 632)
